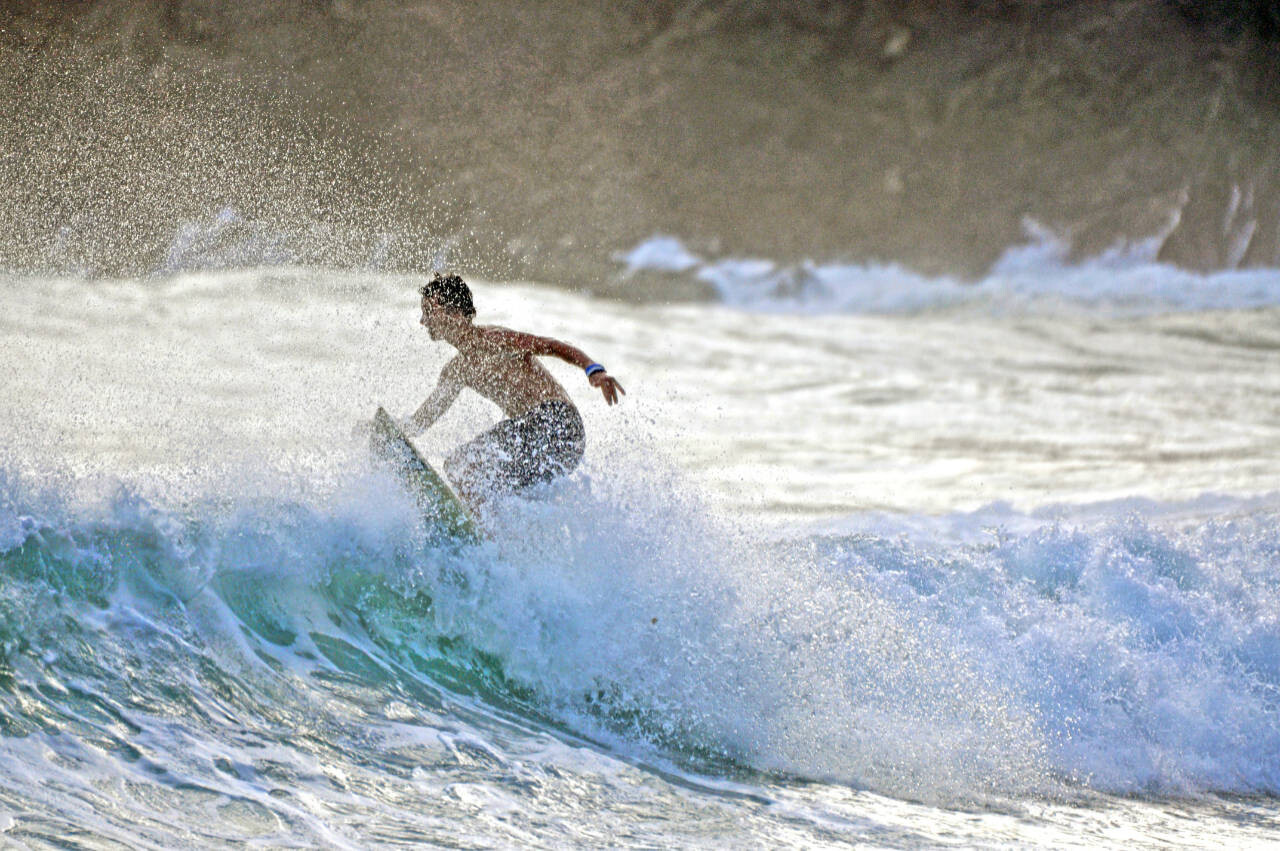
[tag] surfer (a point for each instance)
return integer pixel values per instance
(542, 437)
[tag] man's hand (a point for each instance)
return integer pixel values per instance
(608, 386)
(363, 429)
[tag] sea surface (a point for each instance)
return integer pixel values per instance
(864, 558)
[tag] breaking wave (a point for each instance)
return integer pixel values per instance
(1120, 654)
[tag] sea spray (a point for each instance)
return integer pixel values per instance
(1120, 653)
(631, 611)
(658, 646)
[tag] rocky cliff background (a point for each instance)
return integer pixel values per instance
(540, 139)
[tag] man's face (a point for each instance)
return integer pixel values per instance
(435, 317)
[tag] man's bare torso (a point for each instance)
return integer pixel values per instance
(513, 380)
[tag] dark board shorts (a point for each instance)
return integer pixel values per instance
(544, 442)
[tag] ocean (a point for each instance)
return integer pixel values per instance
(941, 510)
(864, 558)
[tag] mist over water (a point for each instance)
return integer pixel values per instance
(942, 507)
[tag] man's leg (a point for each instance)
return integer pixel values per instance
(484, 466)
(537, 446)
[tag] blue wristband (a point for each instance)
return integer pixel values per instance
(593, 368)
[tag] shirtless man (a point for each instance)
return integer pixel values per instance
(542, 438)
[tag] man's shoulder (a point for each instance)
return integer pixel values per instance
(497, 331)
(506, 338)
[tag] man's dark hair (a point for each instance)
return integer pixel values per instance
(450, 291)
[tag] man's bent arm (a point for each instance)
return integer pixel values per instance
(540, 346)
(447, 390)
(543, 346)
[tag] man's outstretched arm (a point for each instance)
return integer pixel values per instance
(446, 391)
(546, 346)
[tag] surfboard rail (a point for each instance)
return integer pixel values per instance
(442, 509)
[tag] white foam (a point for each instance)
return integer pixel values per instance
(1129, 654)
(662, 253)
(1033, 276)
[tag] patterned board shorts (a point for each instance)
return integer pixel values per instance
(544, 442)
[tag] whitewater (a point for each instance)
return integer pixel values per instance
(864, 558)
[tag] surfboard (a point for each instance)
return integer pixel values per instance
(445, 513)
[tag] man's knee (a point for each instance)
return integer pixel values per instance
(455, 465)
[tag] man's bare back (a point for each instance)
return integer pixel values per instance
(543, 435)
(506, 373)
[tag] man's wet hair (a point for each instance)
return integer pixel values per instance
(450, 291)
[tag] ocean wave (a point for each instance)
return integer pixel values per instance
(1035, 277)
(1148, 653)
(1121, 655)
